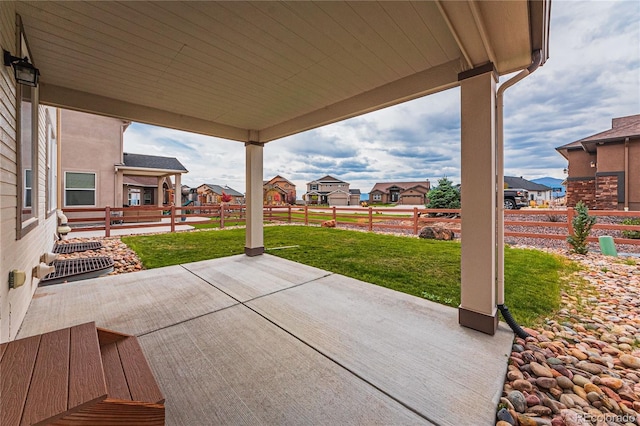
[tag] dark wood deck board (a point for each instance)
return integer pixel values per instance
(86, 378)
(16, 369)
(113, 373)
(50, 382)
(142, 384)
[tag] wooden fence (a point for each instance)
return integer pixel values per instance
(533, 223)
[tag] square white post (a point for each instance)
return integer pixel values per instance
(254, 240)
(478, 169)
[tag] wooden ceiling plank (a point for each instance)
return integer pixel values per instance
(380, 21)
(416, 30)
(350, 69)
(366, 37)
(183, 30)
(461, 18)
(89, 19)
(371, 70)
(92, 45)
(236, 31)
(438, 29)
(79, 53)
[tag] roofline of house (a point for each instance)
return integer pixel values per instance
(166, 172)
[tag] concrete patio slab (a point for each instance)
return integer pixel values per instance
(233, 367)
(408, 347)
(245, 278)
(134, 303)
(298, 346)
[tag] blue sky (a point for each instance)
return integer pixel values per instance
(592, 75)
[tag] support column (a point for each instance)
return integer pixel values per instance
(479, 210)
(159, 192)
(254, 244)
(177, 186)
(118, 190)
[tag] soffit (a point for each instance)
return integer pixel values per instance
(262, 70)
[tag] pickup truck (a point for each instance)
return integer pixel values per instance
(515, 198)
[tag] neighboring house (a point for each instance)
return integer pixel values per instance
(414, 193)
(331, 191)
(538, 192)
(604, 169)
(114, 178)
(146, 168)
(210, 194)
(278, 191)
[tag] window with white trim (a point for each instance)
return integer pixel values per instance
(28, 195)
(79, 189)
(27, 153)
(377, 197)
(134, 196)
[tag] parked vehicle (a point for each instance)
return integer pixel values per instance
(515, 198)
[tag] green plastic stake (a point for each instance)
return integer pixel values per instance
(607, 246)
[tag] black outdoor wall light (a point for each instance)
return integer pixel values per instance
(24, 70)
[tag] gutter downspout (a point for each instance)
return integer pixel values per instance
(626, 174)
(536, 61)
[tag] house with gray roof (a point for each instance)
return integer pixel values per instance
(211, 194)
(331, 191)
(408, 193)
(540, 194)
(113, 178)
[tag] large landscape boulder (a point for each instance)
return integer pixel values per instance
(436, 233)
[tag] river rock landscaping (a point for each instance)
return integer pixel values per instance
(581, 367)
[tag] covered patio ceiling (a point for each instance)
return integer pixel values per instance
(258, 71)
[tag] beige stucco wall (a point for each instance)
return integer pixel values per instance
(580, 164)
(610, 158)
(83, 137)
(24, 253)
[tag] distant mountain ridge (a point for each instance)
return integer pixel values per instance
(551, 183)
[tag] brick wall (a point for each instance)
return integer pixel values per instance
(606, 192)
(581, 190)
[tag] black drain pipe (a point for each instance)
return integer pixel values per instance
(512, 322)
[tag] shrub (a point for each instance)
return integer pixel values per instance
(582, 224)
(631, 234)
(553, 218)
(444, 196)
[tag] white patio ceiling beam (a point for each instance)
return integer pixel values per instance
(64, 97)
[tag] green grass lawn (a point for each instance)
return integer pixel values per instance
(423, 268)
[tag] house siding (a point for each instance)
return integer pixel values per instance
(22, 254)
(93, 133)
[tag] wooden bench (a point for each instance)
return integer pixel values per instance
(80, 375)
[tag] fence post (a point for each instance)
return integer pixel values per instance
(570, 213)
(173, 218)
(221, 215)
(306, 215)
(107, 221)
(415, 221)
(370, 219)
(334, 213)
(289, 213)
